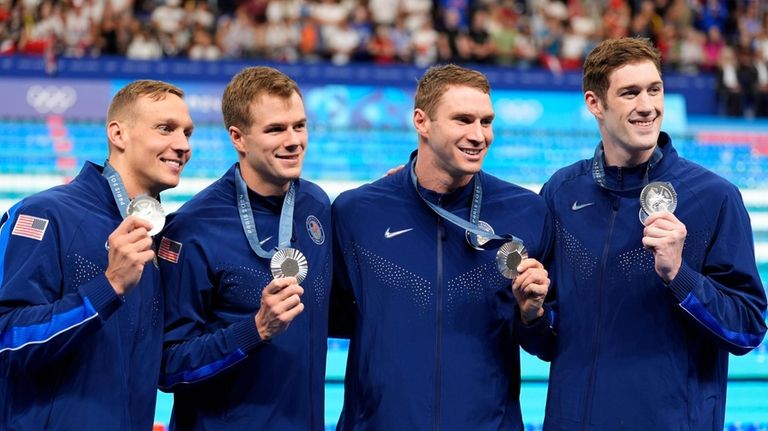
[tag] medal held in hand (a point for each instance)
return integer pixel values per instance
(509, 257)
(656, 197)
(148, 208)
(289, 262)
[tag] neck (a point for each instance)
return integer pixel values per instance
(262, 186)
(624, 159)
(434, 177)
(132, 185)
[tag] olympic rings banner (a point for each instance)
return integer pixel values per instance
(39, 98)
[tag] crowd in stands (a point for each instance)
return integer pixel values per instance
(725, 37)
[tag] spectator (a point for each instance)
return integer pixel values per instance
(203, 47)
(730, 96)
(144, 45)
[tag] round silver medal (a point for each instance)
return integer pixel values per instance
(149, 209)
(642, 215)
(658, 196)
(481, 240)
(509, 257)
(289, 262)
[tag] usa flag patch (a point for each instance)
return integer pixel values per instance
(169, 250)
(30, 227)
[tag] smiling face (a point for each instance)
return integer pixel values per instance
(630, 114)
(149, 143)
(271, 150)
(454, 140)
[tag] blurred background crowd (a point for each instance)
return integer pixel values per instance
(728, 38)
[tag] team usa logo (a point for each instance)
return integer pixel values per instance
(315, 230)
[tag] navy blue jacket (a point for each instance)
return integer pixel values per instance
(222, 375)
(73, 355)
(632, 353)
(431, 319)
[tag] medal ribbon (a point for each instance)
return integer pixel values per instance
(598, 166)
(494, 241)
(117, 187)
(249, 225)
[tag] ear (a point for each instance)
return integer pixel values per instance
(593, 104)
(238, 139)
(116, 135)
(421, 123)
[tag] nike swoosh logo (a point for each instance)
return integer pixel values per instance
(577, 206)
(264, 241)
(389, 234)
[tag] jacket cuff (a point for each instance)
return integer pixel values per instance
(543, 324)
(246, 334)
(102, 297)
(684, 282)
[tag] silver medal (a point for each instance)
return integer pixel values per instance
(289, 262)
(149, 209)
(481, 240)
(509, 257)
(656, 197)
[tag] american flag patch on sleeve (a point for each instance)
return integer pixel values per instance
(169, 250)
(30, 227)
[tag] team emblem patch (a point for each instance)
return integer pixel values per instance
(169, 250)
(30, 227)
(315, 230)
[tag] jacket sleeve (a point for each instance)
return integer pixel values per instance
(539, 337)
(725, 297)
(193, 349)
(41, 319)
(341, 316)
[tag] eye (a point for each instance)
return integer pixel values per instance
(300, 126)
(274, 129)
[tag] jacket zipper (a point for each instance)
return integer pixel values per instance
(596, 339)
(438, 321)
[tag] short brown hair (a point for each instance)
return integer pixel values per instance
(612, 54)
(250, 83)
(125, 99)
(436, 81)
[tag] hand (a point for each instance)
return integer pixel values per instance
(664, 235)
(394, 170)
(530, 289)
(280, 304)
(130, 248)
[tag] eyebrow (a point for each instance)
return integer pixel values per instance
(280, 124)
(654, 83)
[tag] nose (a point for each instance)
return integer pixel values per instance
(181, 144)
(476, 133)
(295, 138)
(644, 103)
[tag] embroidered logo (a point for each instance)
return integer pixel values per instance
(169, 250)
(315, 230)
(30, 227)
(390, 235)
(577, 206)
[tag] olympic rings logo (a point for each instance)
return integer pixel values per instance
(51, 99)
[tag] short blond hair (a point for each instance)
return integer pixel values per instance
(247, 85)
(126, 98)
(437, 80)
